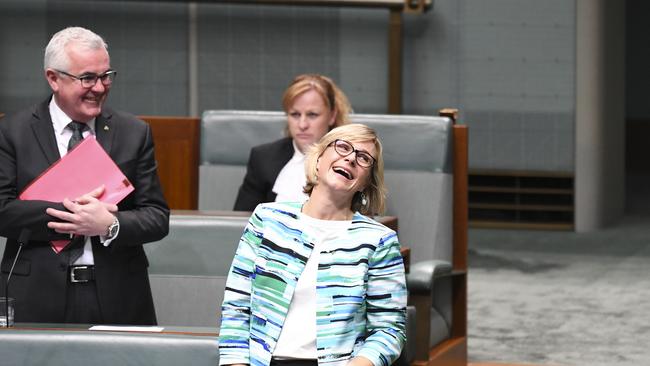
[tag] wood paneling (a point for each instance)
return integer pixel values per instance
(177, 152)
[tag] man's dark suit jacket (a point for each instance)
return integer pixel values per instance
(27, 148)
(264, 165)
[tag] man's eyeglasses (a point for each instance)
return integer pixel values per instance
(345, 148)
(89, 80)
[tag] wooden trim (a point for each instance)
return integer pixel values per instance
(459, 306)
(452, 352)
(460, 210)
(492, 189)
(395, 62)
(177, 153)
(522, 173)
(521, 225)
(521, 207)
(499, 364)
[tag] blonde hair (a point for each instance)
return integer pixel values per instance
(375, 191)
(334, 98)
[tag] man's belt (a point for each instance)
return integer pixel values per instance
(82, 274)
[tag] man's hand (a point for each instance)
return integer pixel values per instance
(88, 216)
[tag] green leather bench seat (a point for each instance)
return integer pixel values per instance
(188, 268)
(58, 347)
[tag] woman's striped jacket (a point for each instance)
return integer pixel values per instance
(360, 290)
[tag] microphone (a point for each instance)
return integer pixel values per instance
(23, 238)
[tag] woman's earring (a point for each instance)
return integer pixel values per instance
(364, 201)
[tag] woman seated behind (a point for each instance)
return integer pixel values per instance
(319, 283)
(275, 172)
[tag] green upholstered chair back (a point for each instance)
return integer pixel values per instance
(188, 268)
(418, 162)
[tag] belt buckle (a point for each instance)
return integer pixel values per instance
(73, 278)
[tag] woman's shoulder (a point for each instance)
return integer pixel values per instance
(279, 208)
(366, 223)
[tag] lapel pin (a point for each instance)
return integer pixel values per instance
(106, 128)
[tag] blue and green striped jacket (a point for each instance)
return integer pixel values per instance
(360, 290)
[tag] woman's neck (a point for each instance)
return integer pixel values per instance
(318, 207)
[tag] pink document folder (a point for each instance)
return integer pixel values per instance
(80, 171)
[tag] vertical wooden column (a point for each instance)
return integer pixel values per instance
(460, 136)
(395, 62)
(460, 232)
(193, 58)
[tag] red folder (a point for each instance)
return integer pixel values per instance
(83, 169)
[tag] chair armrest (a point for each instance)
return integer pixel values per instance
(408, 353)
(422, 274)
(433, 305)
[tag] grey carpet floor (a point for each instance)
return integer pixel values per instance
(561, 298)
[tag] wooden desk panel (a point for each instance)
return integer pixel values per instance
(177, 153)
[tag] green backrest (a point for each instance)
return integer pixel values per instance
(188, 268)
(418, 169)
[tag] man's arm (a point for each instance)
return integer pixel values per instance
(16, 214)
(147, 219)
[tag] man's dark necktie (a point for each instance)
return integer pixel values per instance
(77, 133)
(76, 246)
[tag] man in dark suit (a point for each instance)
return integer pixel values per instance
(101, 276)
